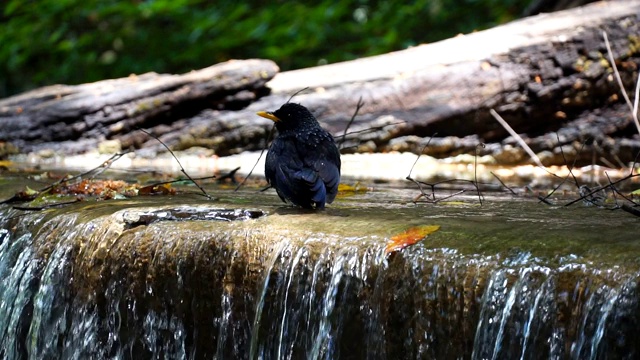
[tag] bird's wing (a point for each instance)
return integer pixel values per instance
(325, 160)
(301, 186)
(281, 162)
(309, 186)
(304, 173)
(329, 173)
(293, 180)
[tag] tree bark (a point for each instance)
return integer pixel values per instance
(72, 118)
(548, 75)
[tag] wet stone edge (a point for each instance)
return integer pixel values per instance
(134, 219)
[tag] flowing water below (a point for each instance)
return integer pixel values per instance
(245, 278)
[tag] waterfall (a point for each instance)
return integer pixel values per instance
(89, 284)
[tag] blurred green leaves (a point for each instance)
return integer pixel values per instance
(70, 41)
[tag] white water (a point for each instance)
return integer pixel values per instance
(313, 298)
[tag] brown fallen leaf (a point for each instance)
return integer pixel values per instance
(159, 189)
(100, 188)
(410, 237)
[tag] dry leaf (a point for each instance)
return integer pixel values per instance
(349, 190)
(5, 164)
(162, 189)
(410, 237)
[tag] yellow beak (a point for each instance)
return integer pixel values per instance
(268, 115)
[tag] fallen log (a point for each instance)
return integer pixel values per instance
(545, 74)
(72, 118)
(548, 76)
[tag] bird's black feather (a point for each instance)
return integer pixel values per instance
(303, 162)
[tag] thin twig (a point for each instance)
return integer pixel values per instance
(518, 138)
(230, 175)
(47, 206)
(614, 191)
(593, 191)
(626, 198)
(419, 183)
(615, 70)
(634, 107)
(635, 161)
(266, 144)
(503, 184)
(630, 210)
(374, 128)
(419, 155)
(449, 196)
(180, 180)
(93, 172)
(432, 197)
(605, 162)
(475, 172)
(359, 105)
(564, 158)
(544, 200)
(570, 172)
(266, 188)
(422, 193)
(635, 104)
(296, 93)
(181, 167)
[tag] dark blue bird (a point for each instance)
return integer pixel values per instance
(303, 162)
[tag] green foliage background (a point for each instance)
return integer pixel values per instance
(71, 41)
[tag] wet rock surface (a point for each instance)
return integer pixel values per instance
(502, 279)
(144, 218)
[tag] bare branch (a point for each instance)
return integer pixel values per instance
(502, 182)
(634, 107)
(266, 144)
(47, 206)
(181, 167)
(611, 185)
(475, 172)
(359, 105)
(419, 155)
(518, 138)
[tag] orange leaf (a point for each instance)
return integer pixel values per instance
(410, 237)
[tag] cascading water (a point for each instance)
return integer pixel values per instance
(535, 312)
(136, 284)
(311, 305)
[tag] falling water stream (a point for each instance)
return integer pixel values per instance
(189, 279)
